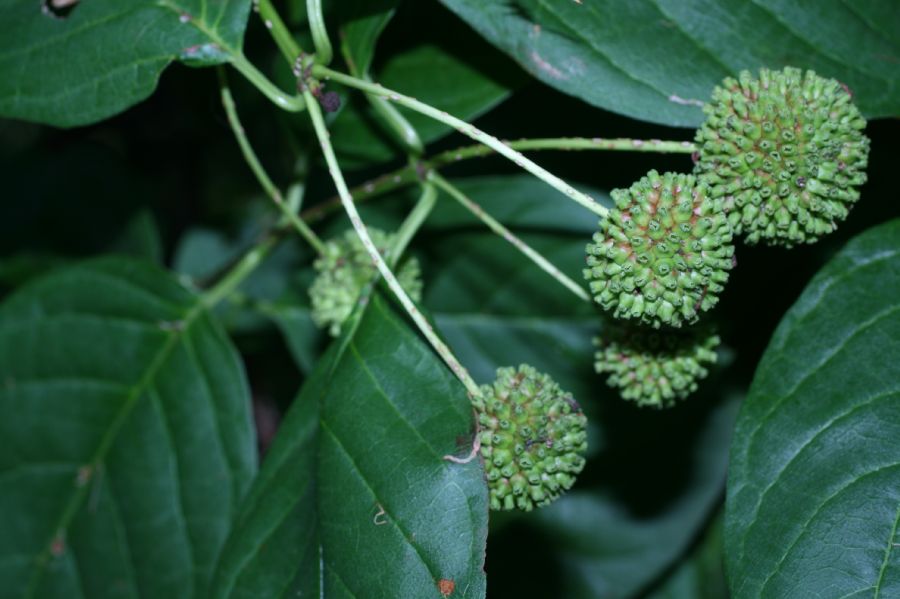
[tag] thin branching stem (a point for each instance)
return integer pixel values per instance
(337, 176)
(498, 228)
(261, 175)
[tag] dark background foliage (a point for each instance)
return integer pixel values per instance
(165, 181)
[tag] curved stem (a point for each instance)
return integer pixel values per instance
(468, 130)
(412, 223)
(347, 200)
(405, 132)
(408, 174)
(319, 32)
(236, 275)
(261, 175)
(508, 235)
(266, 87)
(289, 47)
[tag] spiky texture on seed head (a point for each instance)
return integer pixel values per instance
(654, 368)
(662, 255)
(785, 151)
(533, 438)
(344, 268)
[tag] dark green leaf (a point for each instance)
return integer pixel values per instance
(355, 497)
(363, 23)
(431, 75)
(105, 55)
(814, 487)
(659, 60)
(127, 436)
(702, 574)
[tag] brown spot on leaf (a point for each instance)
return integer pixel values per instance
(446, 587)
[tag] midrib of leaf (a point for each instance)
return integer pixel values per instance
(200, 25)
(887, 554)
(77, 498)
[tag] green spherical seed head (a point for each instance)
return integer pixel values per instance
(654, 368)
(533, 438)
(785, 152)
(663, 253)
(344, 268)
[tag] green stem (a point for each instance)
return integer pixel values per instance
(468, 130)
(412, 223)
(337, 176)
(261, 175)
(406, 175)
(569, 143)
(236, 275)
(404, 131)
(509, 236)
(319, 32)
(266, 87)
(289, 47)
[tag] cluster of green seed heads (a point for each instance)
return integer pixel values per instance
(654, 368)
(780, 160)
(786, 153)
(344, 268)
(533, 438)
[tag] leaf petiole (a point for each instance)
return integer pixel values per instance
(347, 200)
(466, 129)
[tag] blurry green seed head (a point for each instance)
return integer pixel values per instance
(663, 253)
(786, 153)
(344, 268)
(654, 368)
(533, 438)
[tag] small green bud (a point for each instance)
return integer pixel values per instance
(654, 368)
(344, 268)
(785, 152)
(533, 438)
(662, 255)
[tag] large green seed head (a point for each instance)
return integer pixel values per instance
(662, 255)
(533, 438)
(344, 268)
(654, 368)
(785, 152)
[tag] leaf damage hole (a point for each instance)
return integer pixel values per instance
(58, 9)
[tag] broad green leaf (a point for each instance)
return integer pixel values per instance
(814, 486)
(444, 80)
(355, 498)
(652, 478)
(658, 60)
(105, 55)
(127, 438)
(364, 20)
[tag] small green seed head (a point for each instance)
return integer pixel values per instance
(533, 438)
(662, 255)
(344, 268)
(785, 152)
(654, 368)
